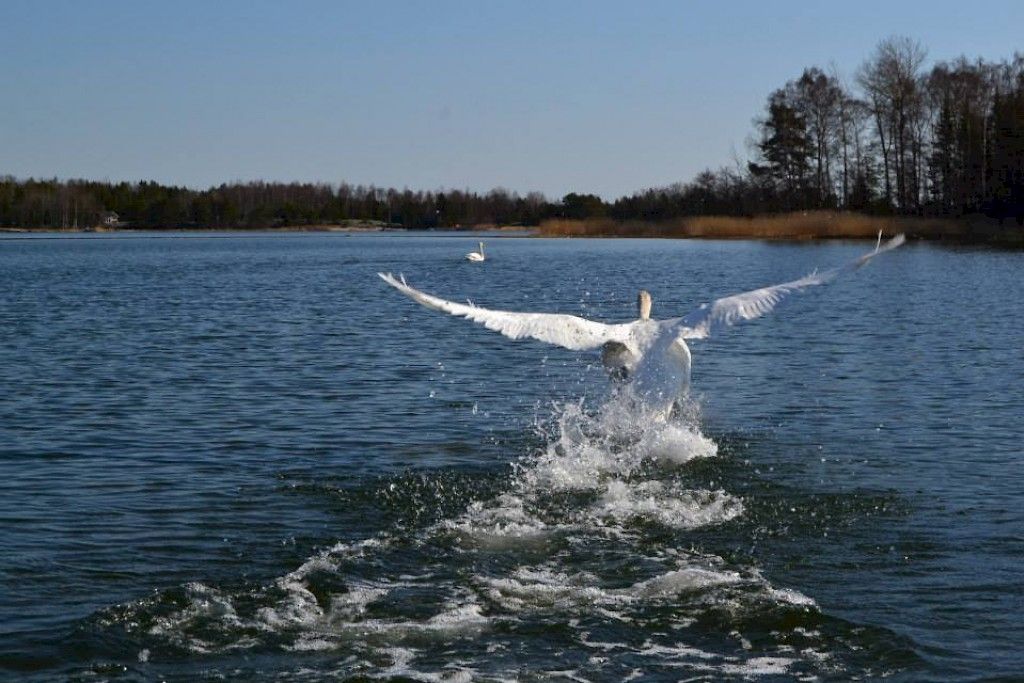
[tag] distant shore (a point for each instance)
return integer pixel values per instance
(360, 227)
(127, 227)
(798, 226)
(805, 225)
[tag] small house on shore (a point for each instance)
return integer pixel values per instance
(109, 219)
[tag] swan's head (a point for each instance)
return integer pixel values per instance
(643, 304)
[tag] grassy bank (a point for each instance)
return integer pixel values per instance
(794, 226)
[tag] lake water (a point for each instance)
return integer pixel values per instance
(243, 457)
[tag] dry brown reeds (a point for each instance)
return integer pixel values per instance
(790, 226)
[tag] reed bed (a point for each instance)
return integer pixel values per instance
(791, 226)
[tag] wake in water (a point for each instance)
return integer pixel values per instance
(583, 565)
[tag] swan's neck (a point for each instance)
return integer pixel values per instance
(643, 304)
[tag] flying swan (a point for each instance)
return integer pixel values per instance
(651, 353)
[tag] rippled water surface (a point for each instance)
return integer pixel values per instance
(243, 457)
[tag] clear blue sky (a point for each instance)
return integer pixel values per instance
(605, 97)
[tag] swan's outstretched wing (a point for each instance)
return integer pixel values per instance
(713, 318)
(567, 331)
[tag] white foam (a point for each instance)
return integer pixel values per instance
(683, 580)
(545, 588)
(458, 618)
(402, 666)
(583, 449)
(499, 523)
(599, 645)
(669, 504)
(617, 466)
(327, 560)
(695, 659)
(203, 601)
(759, 666)
(602, 452)
(677, 651)
(298, 608)
(312, 642)
(791, 596)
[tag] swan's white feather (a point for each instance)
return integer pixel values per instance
(568, 331)
(712, 318)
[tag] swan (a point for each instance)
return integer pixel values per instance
(651, 354)
(476, 256)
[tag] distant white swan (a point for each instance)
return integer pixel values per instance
(651, 353)
(476, 255)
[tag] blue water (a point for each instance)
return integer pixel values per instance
(243, 457)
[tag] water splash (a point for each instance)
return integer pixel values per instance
(588, 536)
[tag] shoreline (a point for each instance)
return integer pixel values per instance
(129, 229)
(793, 227)
(319, 228)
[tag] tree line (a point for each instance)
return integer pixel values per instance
(900, 139)
(81, 203)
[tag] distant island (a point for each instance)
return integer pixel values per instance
(936, 153)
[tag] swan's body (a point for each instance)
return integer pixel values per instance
(653, 354)
(478, 255)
